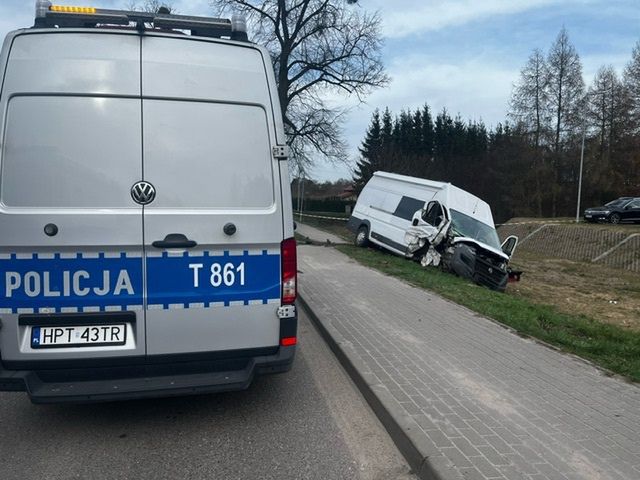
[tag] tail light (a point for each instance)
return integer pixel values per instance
(288, 341)
(289, 271)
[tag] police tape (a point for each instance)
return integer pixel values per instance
(320, 216)
(508, 224)
(535, 222)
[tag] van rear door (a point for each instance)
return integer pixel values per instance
(212, 235)
(71, 241)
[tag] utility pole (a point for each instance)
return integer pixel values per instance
(584, 132)
(301, 198)
(299, 206)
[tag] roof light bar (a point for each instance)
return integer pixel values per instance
(65, 9)
(238, 27)
(48, 16)
(202, 26)
(42, 7)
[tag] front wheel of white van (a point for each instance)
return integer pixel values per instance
(362, 237)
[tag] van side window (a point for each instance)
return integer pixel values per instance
(433, 214)
(408, 207)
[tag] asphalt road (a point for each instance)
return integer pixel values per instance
(310, 423)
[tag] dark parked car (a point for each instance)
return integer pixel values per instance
(624, 209)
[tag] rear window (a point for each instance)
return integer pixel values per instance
(207, 155)
(70, 152)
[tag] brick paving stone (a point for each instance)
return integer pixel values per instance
(472, 474)
(493, 456)
(482, 464)
(493, 404)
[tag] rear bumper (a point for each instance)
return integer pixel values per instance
(101, 384)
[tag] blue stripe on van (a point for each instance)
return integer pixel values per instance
(210, 279)
(100, 282)
(78, 282)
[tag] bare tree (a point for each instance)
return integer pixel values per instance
(529, 108)
(318, 48)
(529, 105)
(603, 107)
(566, 97)
(631, 80)
(566, 87)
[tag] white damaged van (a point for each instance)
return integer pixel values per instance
(434, 222)
(146, 230)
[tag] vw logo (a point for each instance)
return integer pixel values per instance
(143, 192)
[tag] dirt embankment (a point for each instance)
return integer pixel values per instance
(558, 269)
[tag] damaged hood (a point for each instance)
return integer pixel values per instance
(484, 246)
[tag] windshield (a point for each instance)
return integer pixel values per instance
(615, 203)
(465, 226)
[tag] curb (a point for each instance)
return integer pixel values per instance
(425, 461)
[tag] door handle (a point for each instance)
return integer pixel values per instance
(175, 240)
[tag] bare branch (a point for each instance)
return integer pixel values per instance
(317, 47)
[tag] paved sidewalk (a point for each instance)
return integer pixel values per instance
(469, 398)
(317, 235)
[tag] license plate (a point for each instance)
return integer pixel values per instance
(588, 215)
(78, 336)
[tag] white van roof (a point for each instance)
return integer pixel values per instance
(453, 197)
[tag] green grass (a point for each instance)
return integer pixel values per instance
(609, 346)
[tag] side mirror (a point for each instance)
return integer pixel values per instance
(295, 226)
(509, 245)
(415, 222)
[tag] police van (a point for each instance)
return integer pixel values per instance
(146, 231)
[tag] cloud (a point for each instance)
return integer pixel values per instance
(476, 88)
(407, 17)
(592, 62)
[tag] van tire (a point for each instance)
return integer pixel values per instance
(362, 237)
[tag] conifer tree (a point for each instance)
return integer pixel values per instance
(370, 153)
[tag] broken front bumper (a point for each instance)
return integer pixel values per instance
(467, 262)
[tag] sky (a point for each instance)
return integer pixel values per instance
(462, 55)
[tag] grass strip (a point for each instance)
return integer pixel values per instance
(609, 346)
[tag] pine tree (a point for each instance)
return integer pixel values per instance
(386, 137)
(426, 143)
(370, 154)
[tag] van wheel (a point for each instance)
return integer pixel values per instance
(362, 237)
